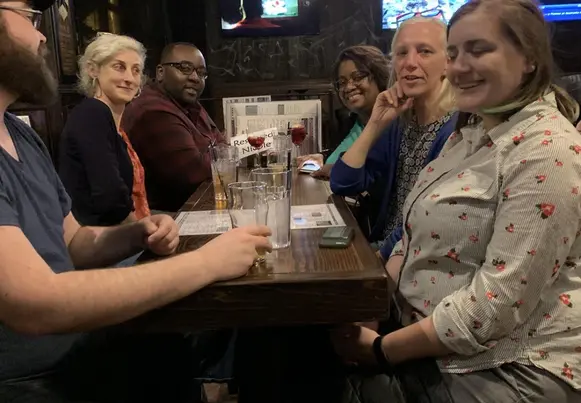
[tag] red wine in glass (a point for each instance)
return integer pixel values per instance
(298, 134)
(256, 141)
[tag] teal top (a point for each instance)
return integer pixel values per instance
(346, 143)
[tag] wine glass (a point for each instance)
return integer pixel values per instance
(256, 140)
(298, 133)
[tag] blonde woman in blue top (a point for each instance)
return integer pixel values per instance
(386, 161)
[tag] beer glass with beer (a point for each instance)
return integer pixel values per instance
(224, 168)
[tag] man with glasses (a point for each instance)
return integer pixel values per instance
(35, 16)
(53, 296)
(170, 130)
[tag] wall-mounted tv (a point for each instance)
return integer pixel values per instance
(397, 11)
(269, 17)
(561, 10)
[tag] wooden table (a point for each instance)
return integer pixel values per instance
(303, 284)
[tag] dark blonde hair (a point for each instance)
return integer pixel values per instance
(446, 99)
(368, 59)
(522, 23)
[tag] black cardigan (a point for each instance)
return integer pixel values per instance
(94, 165)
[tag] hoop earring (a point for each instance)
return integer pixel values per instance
(94, 86)
(138, 93)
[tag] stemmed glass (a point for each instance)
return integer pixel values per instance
(256, 140)
(298, 134)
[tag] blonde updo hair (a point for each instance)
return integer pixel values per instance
(101, 49)
(446, 99)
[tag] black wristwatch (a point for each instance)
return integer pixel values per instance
(382, 360)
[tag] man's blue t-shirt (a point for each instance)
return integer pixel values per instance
(33, 198)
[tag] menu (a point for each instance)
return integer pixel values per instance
(211, 222)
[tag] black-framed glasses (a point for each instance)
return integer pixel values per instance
(187, 68)
(34, 16)
(356, 78)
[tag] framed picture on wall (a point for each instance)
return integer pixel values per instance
(66, 44)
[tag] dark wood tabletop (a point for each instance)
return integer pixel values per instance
(302, 284)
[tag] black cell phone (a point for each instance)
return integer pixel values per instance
(337, 237)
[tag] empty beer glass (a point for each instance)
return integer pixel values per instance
(278, 156)
(278, 198)
(247, 206)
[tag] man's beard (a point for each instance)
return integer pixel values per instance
(24, 74)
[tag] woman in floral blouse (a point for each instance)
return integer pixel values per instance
(489, 267)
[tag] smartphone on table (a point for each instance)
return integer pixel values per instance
(309, 166)
(337, 237)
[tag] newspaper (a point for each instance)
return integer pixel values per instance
(211, 222)
(208, 222)
(248, 117)
(238, 100)
(316, 216)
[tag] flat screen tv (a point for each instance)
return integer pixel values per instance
(269, 17)
(561, 10)
(397, 11)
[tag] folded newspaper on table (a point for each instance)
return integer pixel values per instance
(245, 149)
(238, 100)
(250, 117)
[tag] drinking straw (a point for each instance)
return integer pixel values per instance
(288, 160)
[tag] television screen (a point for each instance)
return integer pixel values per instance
(397, 11)
(561, 10)
(269, 17)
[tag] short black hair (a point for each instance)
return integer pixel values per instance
(367, 59)
(169, 48)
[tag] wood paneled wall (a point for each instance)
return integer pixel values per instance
(291, 67)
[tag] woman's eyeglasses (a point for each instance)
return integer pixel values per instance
(432, 13)
(187, 68)
(34, 16)
(356, 78)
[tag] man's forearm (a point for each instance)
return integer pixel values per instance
(104, 246)
(84, 300)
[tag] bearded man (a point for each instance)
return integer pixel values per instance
(46, 301)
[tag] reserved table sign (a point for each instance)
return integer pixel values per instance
(246, 150)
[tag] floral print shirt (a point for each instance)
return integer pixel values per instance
(492, 245)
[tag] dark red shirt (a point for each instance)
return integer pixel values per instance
(172, 143)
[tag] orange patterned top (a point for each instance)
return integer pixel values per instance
(138, 193)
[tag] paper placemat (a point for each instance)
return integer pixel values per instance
(210, 222)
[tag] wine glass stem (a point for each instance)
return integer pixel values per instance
(296, 154)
